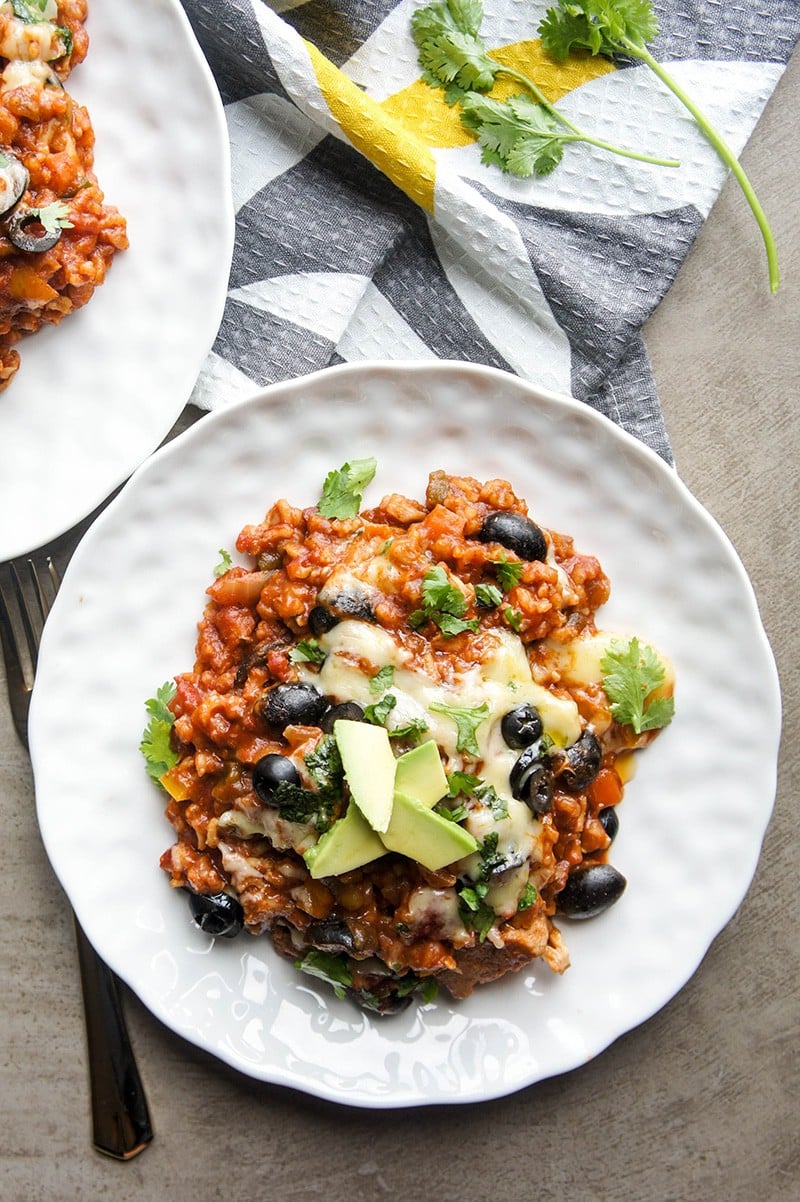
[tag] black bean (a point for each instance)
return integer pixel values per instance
(321, 620)
(578, 765)
(293, 704)
(330, 935)
(521, 726)
(350, 710)
(530, 756)
(609, 820)
(217, 914)
(590, 890)
(516, 532)
(271, 771)
(535, 788)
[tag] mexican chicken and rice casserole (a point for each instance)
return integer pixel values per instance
(57, 234)
(452, 639)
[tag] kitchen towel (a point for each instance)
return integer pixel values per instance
(367, 226)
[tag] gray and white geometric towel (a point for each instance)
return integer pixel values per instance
(367, 227)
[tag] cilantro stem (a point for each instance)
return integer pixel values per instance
(636, 50)
(580, 136)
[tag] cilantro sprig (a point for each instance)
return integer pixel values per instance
(442, 603)
(632, 671)
(343, 488)
(467, 719)
(307, 651)
(334, 970)
(54, 216)
(521, 135)
(622, 27)
(156, 746)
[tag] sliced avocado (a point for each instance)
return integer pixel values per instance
(420, 774)
(369, 767)
(349, 843)
(419, 833)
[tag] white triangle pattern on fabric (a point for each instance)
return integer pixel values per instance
(268, 137)
(321, 301)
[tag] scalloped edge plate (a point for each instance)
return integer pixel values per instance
(96, 394)
(692, 820)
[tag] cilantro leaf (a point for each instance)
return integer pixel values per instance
(451, 53)
(488, 595)
(444, 604)
(509, 572)
(631, 674)
(225, 562)
(528, 897)
(343, 488)
(517, 135)
(379, 711)
(334, 970)
(465, 784)
(467, 719)
(623, 27)
(475, 912)
(599, 26)
(523, 136)
(384, 679)
(156, 746)
(307, 651)
(54, 216)
(324, 766)
(513, 617)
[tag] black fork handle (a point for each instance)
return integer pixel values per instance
(120, 1117)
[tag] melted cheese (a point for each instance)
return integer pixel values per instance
(282, 834)
(578, 662)
(356, 651)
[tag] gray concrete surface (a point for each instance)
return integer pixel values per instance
(698, 1104)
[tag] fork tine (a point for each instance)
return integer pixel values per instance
(43, 601)
(19, 687)
(31, 633)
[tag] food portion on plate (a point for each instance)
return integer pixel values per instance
(402, 744)
(57, 234)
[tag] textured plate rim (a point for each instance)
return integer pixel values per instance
(276, 1074)
(56, 525)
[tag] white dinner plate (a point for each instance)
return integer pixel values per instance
(97, 393)
(692, 820)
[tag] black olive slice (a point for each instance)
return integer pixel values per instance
(25, 230)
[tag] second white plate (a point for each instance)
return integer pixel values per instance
(97, 393)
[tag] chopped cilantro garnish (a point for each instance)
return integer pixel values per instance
(474, 911)
(224, 564)
(53, 217)
(467, 719)
(332, 969)
(382, 680)
(464, 783)
(155, 745)
(513, 617)
(509, 572)
(631, 674)
(488, 595)
(491, 859)
(442, 603)
(324, 766)
(528, 897)
(409, 730)
(451, 813)
(342, 490)
(380, 710)
(307, 651)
